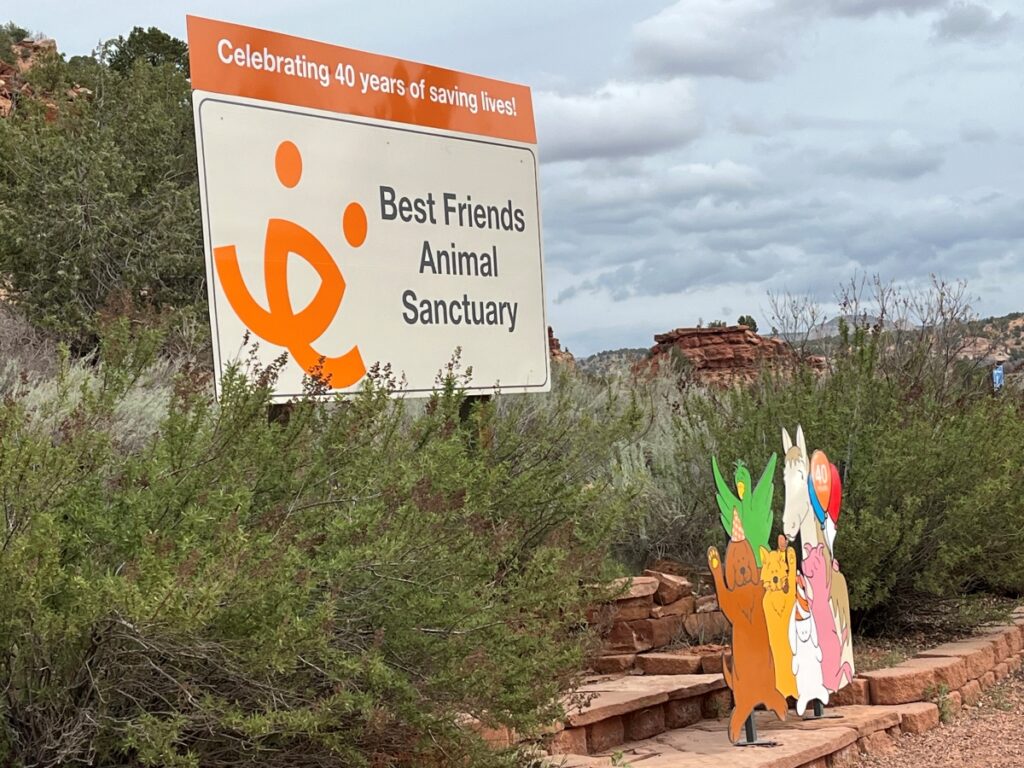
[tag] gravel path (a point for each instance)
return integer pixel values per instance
(987, 735)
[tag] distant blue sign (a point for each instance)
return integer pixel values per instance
(997, 378)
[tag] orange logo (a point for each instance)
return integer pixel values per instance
(282, 325)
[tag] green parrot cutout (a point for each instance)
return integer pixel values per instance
(754, 505)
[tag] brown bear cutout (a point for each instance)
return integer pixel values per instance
(750, 671)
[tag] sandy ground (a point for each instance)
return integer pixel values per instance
(987, 735)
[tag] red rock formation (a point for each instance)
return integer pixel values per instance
(724, 356)
(557, 353)
(27, 54)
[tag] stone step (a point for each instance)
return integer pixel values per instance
(673, 720)
(705, 660)
(799, 743)
(979, 655)
(636, 707)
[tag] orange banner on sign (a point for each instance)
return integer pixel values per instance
(243, 61)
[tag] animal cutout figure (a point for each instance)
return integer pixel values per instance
(753, 504)
(807, 656)
(816, 575)
(812, 509)
(750, 672)
(778, 577)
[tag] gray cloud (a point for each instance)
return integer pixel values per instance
(748, 124)
(617, 120)
(972, 21)
(746, 39)
(898, 157)
(808, 243)
(977, 132)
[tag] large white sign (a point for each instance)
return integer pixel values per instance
(361, 210)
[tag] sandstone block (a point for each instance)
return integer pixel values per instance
(682, 712)
(877, 743)
(609, 665)
(605, 734)
(681, 607)
(978, 655)
(1001, 670)
(987, 680)
(950, 672)
(971, 693)
(1016, 640)
(645, 723)
(670, 587)
(918, 717)
(716, 704)
(707, 626)
(712, 663)
(1000, 646)
(1014, 663)
(899, 685)
(669, 664)
(622, 610)
(636, 586)
(847, 757)
(657, 633)
(707, 603)
(571, 741)
(624, 638)
(857, 692)
(1011, 632)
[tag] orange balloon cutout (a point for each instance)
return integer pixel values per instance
(821, 477)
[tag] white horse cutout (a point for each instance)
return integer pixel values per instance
(797, 514)
(798, 517)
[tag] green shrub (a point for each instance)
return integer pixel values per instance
(342, 587)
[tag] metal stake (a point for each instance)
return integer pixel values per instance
(750, 731)
(819, 712)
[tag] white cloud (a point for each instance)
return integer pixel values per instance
(864, 8)
(747, 39)
(620, 119)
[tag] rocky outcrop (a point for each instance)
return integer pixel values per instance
(558, 354)
(26, 55)
(723, 356)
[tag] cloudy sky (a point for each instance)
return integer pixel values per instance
(698, 154)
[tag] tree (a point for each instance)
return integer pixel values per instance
(10, 34)
(749, 321)
(716, 324)
(99, 205)
(152, 45)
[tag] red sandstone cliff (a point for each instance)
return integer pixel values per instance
(724, 356)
